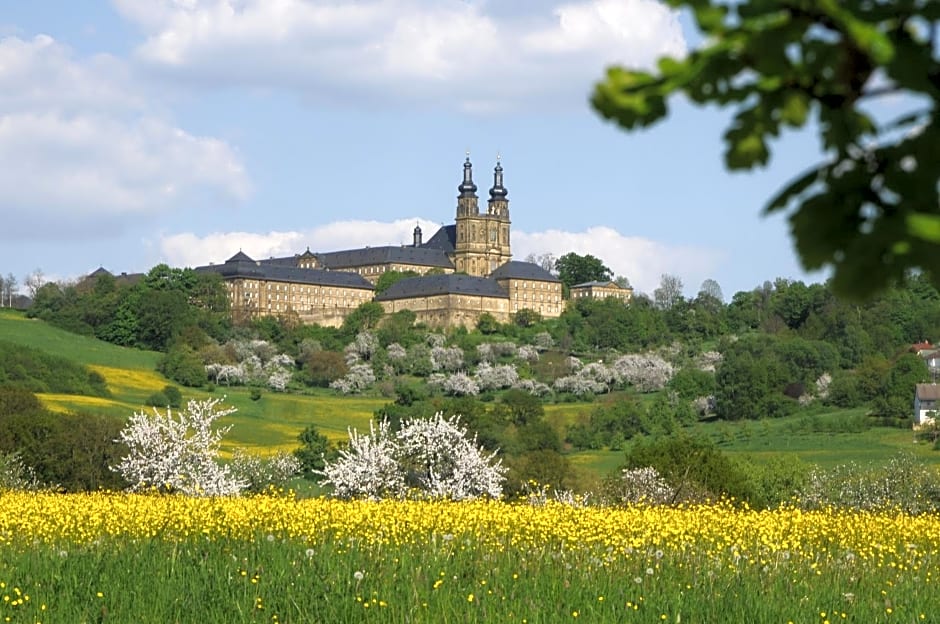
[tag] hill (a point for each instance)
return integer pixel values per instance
(269, 424)
(273, 422)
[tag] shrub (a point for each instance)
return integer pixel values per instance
(14, 475)
(431, 457)
(158, 399)
(182, 364)
(693, 466)
(178, 451)
(261, 474)
(312, 452)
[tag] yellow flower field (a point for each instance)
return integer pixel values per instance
(495, 558)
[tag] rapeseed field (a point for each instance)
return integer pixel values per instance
(148, 558)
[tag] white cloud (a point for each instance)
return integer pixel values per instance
(187, 249)
(82, 149)
(438, 53)
(642, 260)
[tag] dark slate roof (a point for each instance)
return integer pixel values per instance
(515, 269)
(444, 239)
(607, 284)
(278, 273)
(241, 256)
(100, 271)
(286, 261)
(401, 254)
(431, 285)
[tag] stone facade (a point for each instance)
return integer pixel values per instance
(601, 290)
(466, 270)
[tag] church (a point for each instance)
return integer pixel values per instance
(464, 270)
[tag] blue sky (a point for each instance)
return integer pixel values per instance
(134, 132)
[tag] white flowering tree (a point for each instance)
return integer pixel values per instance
(528, 353)
(458, 384)
(178, 451)
(446, 359)
(260, 473)
(490, 377)
(646, 373)
(533, 387)
(645, 485)
(359, 378)
(430, 457)
(543, 341)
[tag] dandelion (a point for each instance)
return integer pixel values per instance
(358, 575)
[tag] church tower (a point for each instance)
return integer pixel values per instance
(482, 243)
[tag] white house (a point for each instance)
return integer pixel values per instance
(926, 404)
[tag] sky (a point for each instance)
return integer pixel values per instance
(135, 132)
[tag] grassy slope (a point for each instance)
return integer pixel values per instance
(274, 421)
(266, 425)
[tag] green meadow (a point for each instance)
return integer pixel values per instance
(273, 422)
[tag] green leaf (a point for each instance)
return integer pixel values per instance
(795, 108)
(793, 190)
(710, 18)
(864, 35)
(669, 66)
(924, 226)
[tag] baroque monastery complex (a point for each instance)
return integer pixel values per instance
(465, 270)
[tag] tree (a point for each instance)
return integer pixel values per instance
(178, 452)
(575, 269)
(390, 277)
(710, 289)
(34, 282)
(433, 456)
(363, 318)
(545, 260)
(9, 289)
(669, 293)
(870, 210)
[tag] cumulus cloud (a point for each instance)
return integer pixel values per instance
(81, 149)
(432, 52)
(187, 249)
(642, 260)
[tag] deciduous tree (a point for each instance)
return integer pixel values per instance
(869, 211)
(574, 269)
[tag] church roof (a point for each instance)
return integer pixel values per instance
(444, 239)
(431, 285)
(241, 256)
(279, 273)
(402, 254)
(516, 269)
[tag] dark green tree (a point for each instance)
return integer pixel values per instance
(574, 269)
(390, 277)
(314, 447)
(870, 210)
(365, 317)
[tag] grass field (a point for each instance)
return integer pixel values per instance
(67, 558)
(273, 422)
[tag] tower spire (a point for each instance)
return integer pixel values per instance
(498, 191)
(467, 188)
